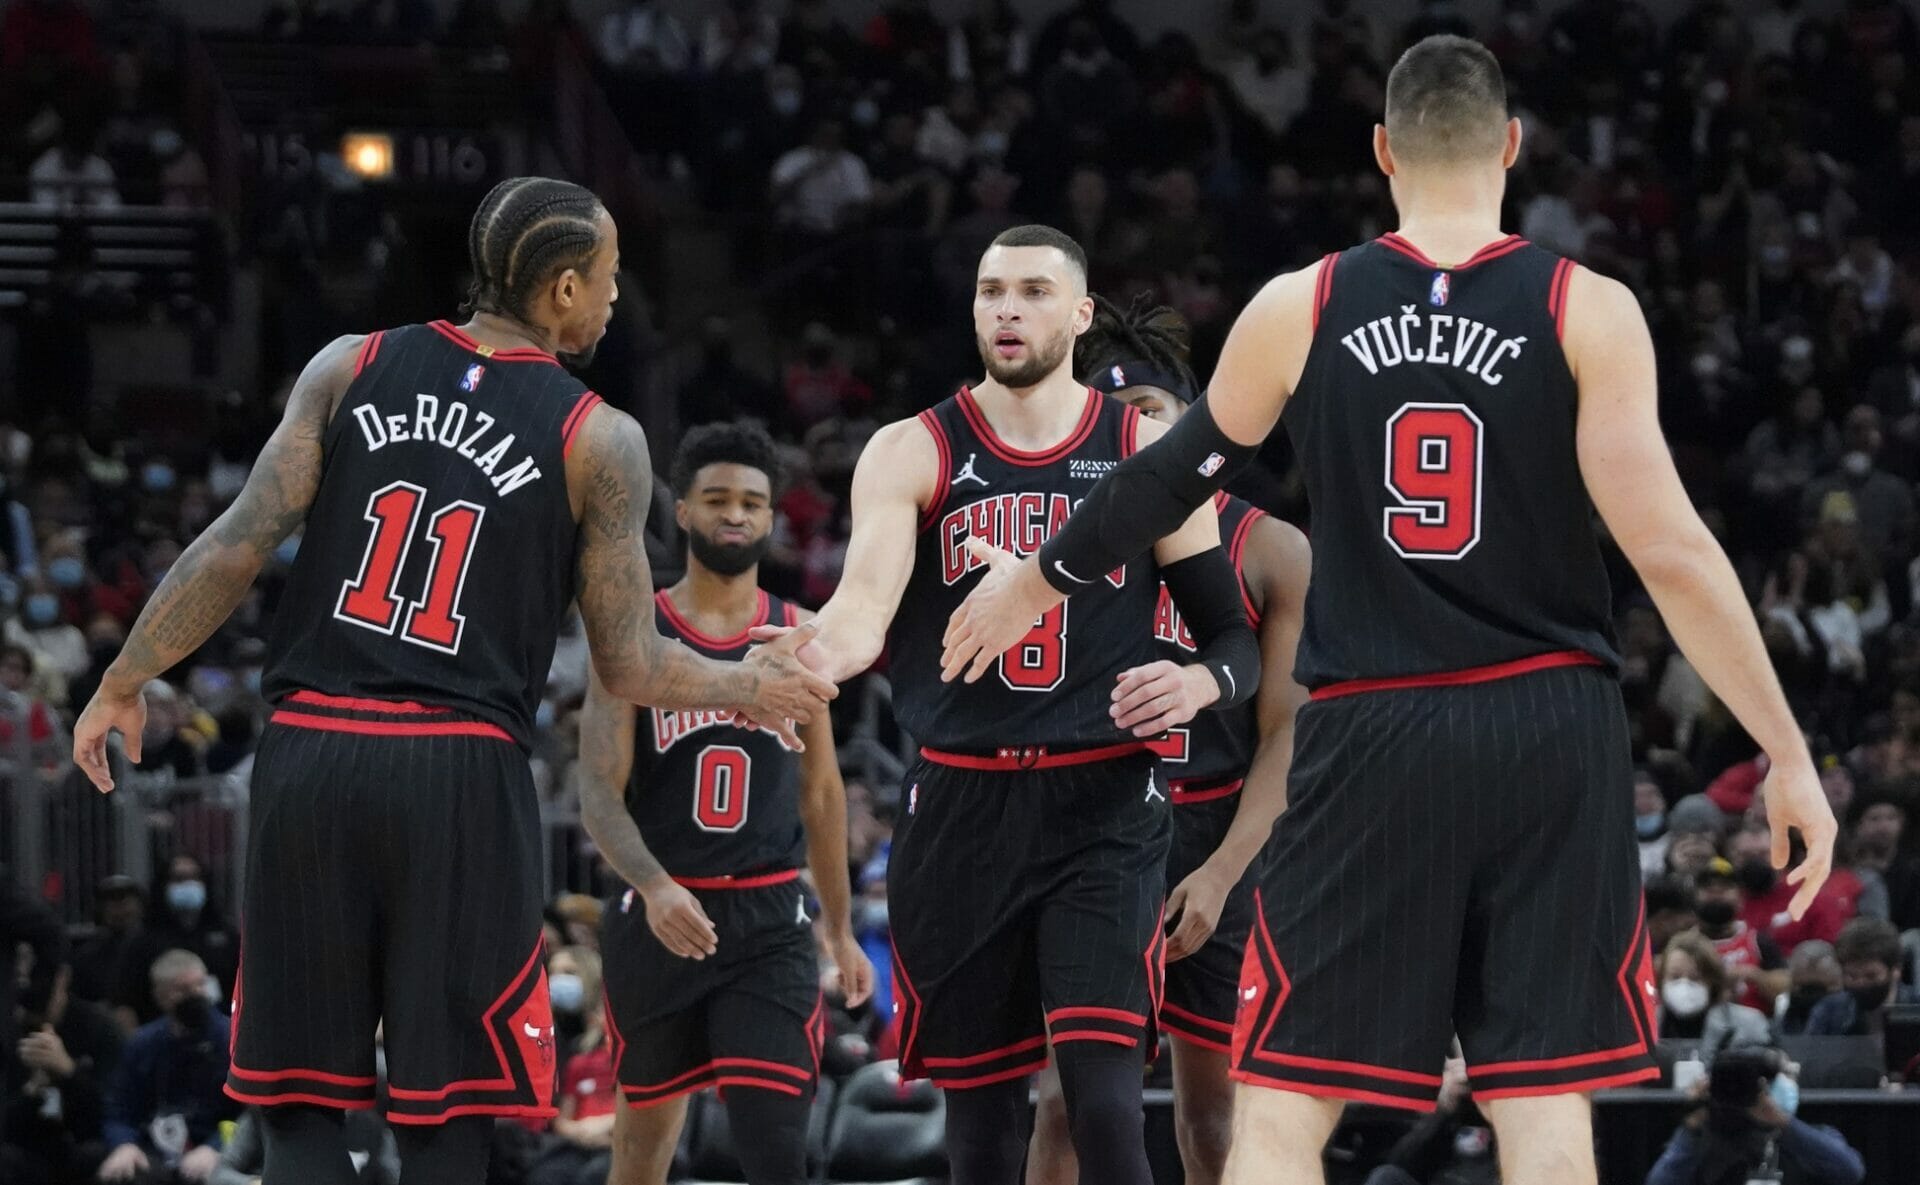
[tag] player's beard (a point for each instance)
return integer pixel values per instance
(727, 559)
(581, 360)
(1042, 359)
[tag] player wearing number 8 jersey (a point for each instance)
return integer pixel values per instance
(1459, 800)
(456, 489)
(710, 971)
(1025, 884)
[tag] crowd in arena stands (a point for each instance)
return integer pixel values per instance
(1747, 169)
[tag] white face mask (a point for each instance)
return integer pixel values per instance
(1684, 997)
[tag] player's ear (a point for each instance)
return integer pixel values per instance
(1382, 153)
(680, 513)
(1512, 150)
(1083, 315)
(566, 288)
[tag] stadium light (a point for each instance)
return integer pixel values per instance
(369, 155)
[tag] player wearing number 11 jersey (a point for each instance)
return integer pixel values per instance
(457, 489)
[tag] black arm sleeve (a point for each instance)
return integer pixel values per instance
(1206, 590)
(1144, 499)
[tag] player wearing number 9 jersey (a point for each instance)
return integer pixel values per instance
(456, 489)
(710, 971)
(1025, 885)
(1460, 797)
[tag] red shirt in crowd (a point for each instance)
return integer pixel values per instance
(589, 1082)
(1832, 908)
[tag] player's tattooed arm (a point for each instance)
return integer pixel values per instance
(610, 479)
(607, 727)
(209, 579)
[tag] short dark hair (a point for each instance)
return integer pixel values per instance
(1141, 332)
(1669, 894)
(1035, 235)
(724, 444)
(526, 231)
(1868, 940)
(1446, 101)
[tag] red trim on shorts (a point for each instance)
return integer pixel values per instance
(1181, 796)
(368, 349)
(1261, 935)
(908, 1035)
(1323, 285)
(1118, 1015)
(938, 431)
(760, 1084)
(1156, 960)
(762, 609)
(505, 1081)
(451, 728)
(654, 1101)
(989, 1055)
(1129, 432)
(756, 881)
(392, 707)
(1174, 1031)
(447, 330)
(1582, 1086)
(1094, 1035)
(317, 1100)
(989, 1079)
(577, 419)
(1032, 757)
(1348, 1094)
(315, 1075)
(1486, 674)
(1179, 1013)
(498, 1110)
(1639, 1009)
(977, 420)
(1493, 250)
(1357, 1069)
(1560, 1063)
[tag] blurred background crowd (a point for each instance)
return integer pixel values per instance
(195, 195)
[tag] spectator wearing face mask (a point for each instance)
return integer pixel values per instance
(1749, 850)
(165, 1104)
(185, 917)
(1870, 958)
(1813, 975)
(1755, 968)
(589, 1098)
(1696, 1007)
(1746, 1131)
(40, 628)
(1884, 502)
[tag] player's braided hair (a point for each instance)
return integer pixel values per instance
(1142, 331)
(526, 230)
(722, 443)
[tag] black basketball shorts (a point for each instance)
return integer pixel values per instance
(749, 1015)
(1203, 988)
(393, 872)
(1023, 903)
(1454, 859)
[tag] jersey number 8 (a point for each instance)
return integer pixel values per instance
(1433, 471)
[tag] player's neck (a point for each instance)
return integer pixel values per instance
(508, 333)
(720, 605)
(1450, 217)
(1034, 418)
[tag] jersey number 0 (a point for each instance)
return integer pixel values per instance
(371, 600)
(1433, 471)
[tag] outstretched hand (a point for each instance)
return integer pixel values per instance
(999, 611)
(790, 691)
(103, 715)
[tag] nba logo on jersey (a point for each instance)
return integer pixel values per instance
(1119, 378)
(1212, 464)
(471, 380)
(1441, 285)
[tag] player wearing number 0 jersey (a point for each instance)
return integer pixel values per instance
(1026, 882)
(711, 978)
(456, 489)
(1460, 797)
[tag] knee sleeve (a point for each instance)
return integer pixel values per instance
(770, 1134)
(450, 1153)
(987, 1133)
(305, 1146)
(1102, 1084)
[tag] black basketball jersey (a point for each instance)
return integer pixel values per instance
(1435, 426)
(438, 556)
(1055, 687)
(713, 800)
(1214, 747)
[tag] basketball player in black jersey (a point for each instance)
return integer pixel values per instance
(1460, 799)
(1026, 881)
(457, 488)
(711, 977)
(1226, 771)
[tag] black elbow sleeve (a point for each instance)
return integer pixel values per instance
(1147, 497)
(1206, 590)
